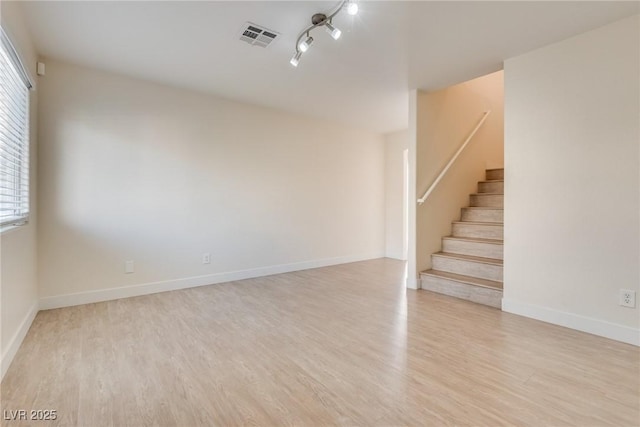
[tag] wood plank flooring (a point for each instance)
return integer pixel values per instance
(343, 345)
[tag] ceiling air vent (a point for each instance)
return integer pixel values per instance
(256, 35)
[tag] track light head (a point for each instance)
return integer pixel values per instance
(296, 59)
(352, 8)
(304, 46)
(335, 32)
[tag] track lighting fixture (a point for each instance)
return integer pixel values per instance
(319, 20)
(352, 8)
(335, 32)
(304, 46)
(296, 59)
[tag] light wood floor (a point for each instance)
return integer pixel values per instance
(339, 345)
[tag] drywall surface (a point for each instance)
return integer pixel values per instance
(18, 277)
(396, 144)
(412, 270)
(135, 171)
(445, 118)
(572, 176)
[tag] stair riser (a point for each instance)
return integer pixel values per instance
(488, 231)
(486, 250)
(487, 200)
(494, 174)
(491, 187)
(467, 268)
(477, 294)
(482, 215)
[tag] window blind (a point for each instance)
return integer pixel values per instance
(14, 136)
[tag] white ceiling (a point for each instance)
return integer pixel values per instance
(363, 78)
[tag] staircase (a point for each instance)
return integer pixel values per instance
(470, 264)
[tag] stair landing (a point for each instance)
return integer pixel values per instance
(481, 291)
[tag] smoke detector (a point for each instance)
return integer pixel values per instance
(256, 35)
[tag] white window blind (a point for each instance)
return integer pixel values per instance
(14, 136)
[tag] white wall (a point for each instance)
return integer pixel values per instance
(572, 206)
(395, 145)
(132, 170)
(412, 244)
(18, 287)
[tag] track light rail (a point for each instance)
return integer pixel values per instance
(319, 20)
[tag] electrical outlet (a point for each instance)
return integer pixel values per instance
(129, 267)
(206, 258)
(627, 298)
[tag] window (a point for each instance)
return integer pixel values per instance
(14, 136)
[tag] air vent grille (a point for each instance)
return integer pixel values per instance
(256, 35)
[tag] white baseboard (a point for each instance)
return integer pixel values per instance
(395, 255)
(590, 325)
(414, 283)
(16, 340)
(88, 297)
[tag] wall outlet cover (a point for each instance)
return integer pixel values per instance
(627, 298)
(129, 267)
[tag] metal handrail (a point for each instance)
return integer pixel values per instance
(454, 158)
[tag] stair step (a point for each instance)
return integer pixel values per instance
(488, 248)
(493, 186)
(467, 265)
(494, 200)
(494, 174)
(480, 291)
(482, 214)
(483, 230)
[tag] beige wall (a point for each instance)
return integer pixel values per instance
(132, 170)
(444, 120)
(18, 287)
(572, 207)
(395, 145)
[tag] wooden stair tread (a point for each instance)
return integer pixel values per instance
(484, 283)
(479, 223)
(476, 240)
(470, 263)
(483, 260)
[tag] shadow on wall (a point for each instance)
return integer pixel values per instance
(133, 170)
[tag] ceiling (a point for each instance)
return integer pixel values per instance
(362, 79)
